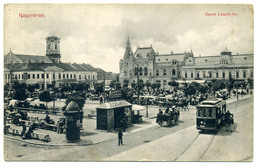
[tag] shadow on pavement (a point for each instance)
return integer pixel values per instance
(87, 133)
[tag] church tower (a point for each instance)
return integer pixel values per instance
(53, 49)
(128, 49)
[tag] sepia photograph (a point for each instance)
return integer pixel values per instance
(128, 82)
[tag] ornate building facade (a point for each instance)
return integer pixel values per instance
(46, 70)
(182, 67)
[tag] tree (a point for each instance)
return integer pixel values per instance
(147, 84)
(133, 85)
(153, 86)
(20, 94)
(118, 85)
(112, 84)
(158, 85)
(78, 99)
(141, 84)
(46, 97)
(31, 89)
(190, 90)
(18, 85)
(79, 87)
(203, 89)
(86, 86)
(99, 87)
(125, 83)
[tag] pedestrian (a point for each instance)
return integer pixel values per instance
(120, 137)
(23, 129)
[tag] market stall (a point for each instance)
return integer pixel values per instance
(114, 115)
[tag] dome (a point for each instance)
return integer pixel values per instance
(72, 107)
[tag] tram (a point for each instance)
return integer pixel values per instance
(210, 114)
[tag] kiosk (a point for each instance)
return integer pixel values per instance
(114, 115)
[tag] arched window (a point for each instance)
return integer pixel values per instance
(157, 72)
(145, 71)
(141, 71)
(125, 73)
(164, 72)
(173, 72)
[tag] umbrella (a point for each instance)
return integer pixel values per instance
(137, 107)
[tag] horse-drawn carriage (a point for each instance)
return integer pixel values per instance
(170, 116)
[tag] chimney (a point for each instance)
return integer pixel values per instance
(172, 52)
(157, 53)
(200, 55)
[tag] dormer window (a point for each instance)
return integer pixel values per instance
(166, 59)
(189, 60)
(147, 55)
(159, 60)
(206, 60)
(244, 58)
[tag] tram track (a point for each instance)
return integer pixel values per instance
(201, 148)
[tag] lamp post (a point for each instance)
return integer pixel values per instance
(137, 70)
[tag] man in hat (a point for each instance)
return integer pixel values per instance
(120, 137)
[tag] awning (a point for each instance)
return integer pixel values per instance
(137, 107)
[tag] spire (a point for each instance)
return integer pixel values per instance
(128, 49)
(128, 44)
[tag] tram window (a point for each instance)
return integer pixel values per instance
(213, 112)
(198, 112)
(210, 112)
(204, 112)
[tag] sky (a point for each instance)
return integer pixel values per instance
(96, 34)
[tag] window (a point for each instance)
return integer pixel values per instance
(38, 76)
(164, 82)
(85, 76)
(75, 76)
(198, 75)
(93, 76)
(244, 74)
(251, 74)
(237, 73)
(164, 72)
(244, 58)
(185, 75)
(204, 74)
(210, 112)
(145, 71)
(56, 47)
(33, 76)
(191, 75)
(70, 76)
(140, 71)
(63, 76)
(206, 60)
(53, 76)
(203, 112)
(67, 76)
(230, 75)
(223, 75)
(159, 60)
(199, 112)
(49, 46)
(216, 74)
(79, 77)
(19, 76)
(47, 75)
(88, 76)
(157, 72)
(22, 76)
(43, 76)
(189, 60)
(210, 75)
(166, 59)
(125, 73)
(173, 72)
(59, 76)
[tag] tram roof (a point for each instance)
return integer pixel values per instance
(210, 102)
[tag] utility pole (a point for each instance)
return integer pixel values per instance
(237, 84)
(53, 89)
(137, 85)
